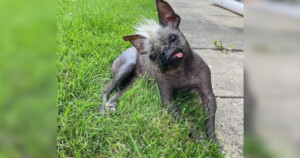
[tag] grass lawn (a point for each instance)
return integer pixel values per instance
(89, 38)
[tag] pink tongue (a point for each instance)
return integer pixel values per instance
(178, 55)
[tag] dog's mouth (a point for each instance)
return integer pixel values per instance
(176, 55)
(172, 60)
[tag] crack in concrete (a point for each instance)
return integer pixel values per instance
(230, 97)
(234, 50)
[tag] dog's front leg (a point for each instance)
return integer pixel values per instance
(210, 106)
(167, 97)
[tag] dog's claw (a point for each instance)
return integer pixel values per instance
(109, 107)
(199, 138)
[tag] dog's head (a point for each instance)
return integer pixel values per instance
(164, 43)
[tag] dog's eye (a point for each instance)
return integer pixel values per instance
(172, 38)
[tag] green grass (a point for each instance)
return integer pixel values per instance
(89, 39)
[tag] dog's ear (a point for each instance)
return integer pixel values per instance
(137, 41)
(166, 15)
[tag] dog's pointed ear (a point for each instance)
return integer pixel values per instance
(166, 15)
(137, 41)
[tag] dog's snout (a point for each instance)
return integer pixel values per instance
(164, 51)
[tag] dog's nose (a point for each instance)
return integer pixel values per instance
(163, 53)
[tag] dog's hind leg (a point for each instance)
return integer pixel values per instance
(127, 84)
(122, 68)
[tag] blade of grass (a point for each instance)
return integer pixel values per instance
(135, 146)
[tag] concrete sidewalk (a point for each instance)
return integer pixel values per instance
(202, 23)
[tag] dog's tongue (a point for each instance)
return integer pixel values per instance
(178, 55)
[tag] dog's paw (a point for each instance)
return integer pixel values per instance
(110, 107)
(197, 137)
(102, 109)
(107, 107)
(221, 149)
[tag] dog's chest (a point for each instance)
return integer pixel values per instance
(182, 80)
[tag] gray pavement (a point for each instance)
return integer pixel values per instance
(226, 72)
(202, 23)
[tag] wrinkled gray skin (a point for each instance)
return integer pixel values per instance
(187, 74)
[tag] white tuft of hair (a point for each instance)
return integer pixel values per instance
(148, 29)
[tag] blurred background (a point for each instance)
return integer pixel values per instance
(27, 78)
(272, 78)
